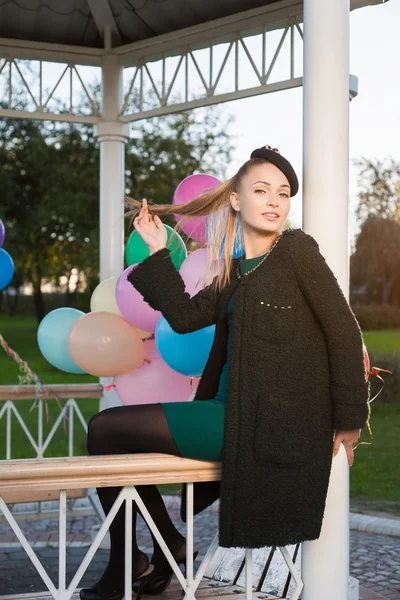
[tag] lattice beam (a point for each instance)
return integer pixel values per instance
(242, 67)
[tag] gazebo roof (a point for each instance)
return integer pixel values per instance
(82, 22)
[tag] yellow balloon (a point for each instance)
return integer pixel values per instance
(143, 334)
(103, 297)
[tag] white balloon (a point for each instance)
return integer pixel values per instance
(103, 297)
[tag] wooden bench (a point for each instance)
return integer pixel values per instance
(274, 572)
(12, 396)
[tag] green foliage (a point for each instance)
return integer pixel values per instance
(375, 263)
(377, 316)
(379, 189)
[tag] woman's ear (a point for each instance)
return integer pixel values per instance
(234, 200)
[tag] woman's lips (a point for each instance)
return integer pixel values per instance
(270, 217)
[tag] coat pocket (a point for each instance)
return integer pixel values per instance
(274, 320)
(283, 428)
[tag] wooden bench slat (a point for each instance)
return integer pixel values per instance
(103, 471)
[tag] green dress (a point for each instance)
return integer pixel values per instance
(197, 426)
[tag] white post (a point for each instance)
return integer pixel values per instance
(112, 135)
(325, 562)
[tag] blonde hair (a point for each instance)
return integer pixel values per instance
(223, 229)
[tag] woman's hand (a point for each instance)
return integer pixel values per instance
(152, 232)
(349, 439)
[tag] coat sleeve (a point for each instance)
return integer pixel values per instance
(163, 288)
(349, 387)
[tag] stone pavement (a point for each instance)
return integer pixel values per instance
(374, 557)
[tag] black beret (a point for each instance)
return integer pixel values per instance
(273, 155)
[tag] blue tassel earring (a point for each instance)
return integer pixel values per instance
(238, 245)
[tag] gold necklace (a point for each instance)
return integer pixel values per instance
(239, 275)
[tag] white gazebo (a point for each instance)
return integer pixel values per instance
(190, 47)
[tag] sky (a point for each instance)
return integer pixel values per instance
(374, 113)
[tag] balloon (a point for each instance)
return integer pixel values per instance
(194, 268)
(186, 353)
(136, 250)
(6, 268)
(105, 345)
(144, 334)
(2, 233)
(188, 190)
(132, 306)
(366, 360)
(152, 383)
(103, 297)
(52, 337)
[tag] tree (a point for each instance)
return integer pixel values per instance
(379, 189)
(376, 260)
(49, 176)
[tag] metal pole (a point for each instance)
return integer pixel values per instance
(249, 573)
(325, 562)
(62, 543)
(112, 135)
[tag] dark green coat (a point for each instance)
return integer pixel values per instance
(296, 373)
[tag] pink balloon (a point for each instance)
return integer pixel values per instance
(154, 382)
(188, 190)
(132, 305)
(104, 344)
(194, 268)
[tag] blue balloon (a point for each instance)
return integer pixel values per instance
(6, 268)
(186, 353)
(52, 337)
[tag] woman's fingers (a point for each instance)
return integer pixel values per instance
(348, 439)
(143, 216)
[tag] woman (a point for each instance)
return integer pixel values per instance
(284, 385)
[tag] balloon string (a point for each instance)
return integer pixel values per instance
(107, 388)
(374, 371)
(191, 382)
(28, 376)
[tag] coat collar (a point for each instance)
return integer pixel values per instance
(228, 290)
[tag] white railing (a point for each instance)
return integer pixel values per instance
(69, 413)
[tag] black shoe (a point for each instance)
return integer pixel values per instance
(162, 573)
(99, 591)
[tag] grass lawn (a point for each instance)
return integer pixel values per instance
(374, 476)
(385, 340)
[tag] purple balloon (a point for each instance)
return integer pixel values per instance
(194, 268)
(188, 190)
(132, 305)
(2, 233)
(154, 382)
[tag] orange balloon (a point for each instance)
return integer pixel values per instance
(104, 344)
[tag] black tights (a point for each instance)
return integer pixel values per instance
(124, 430)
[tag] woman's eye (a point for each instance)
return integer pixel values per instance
(264, 192)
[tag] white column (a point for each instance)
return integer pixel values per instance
(112, 135)
(325, 562)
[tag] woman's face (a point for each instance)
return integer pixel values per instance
(264, 192)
